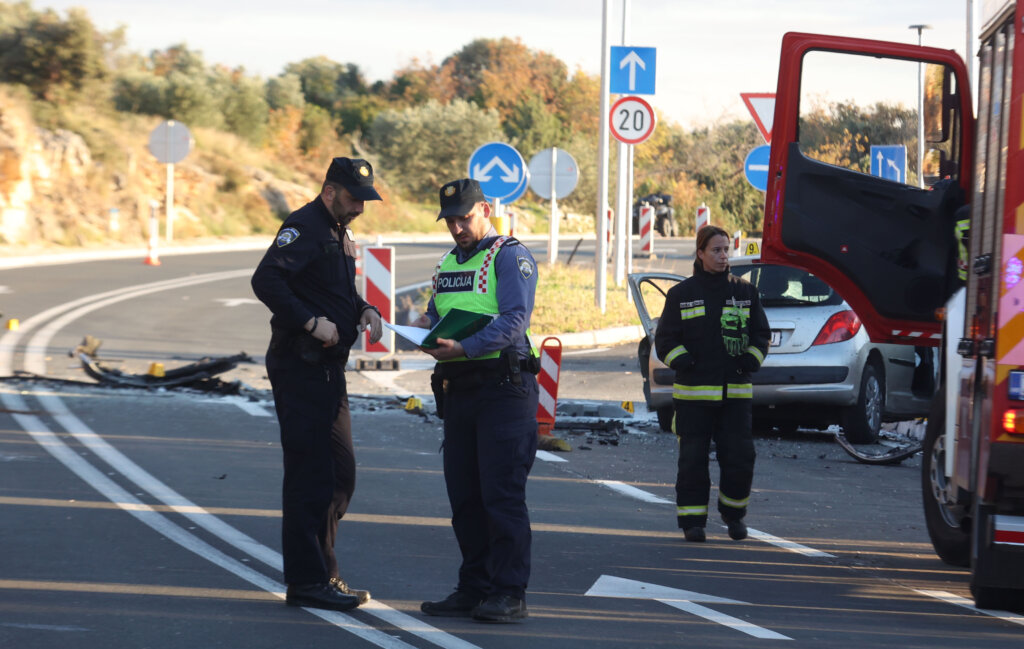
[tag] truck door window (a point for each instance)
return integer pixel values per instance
(861, 113)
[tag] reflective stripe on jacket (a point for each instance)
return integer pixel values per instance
(709, 322)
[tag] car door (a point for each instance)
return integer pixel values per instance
(883, 240)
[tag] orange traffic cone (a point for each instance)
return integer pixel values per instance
(152, 258)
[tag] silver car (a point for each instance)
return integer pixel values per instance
(821, 368)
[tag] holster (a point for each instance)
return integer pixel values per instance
(437, 387)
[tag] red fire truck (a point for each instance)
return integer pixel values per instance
(878, 221)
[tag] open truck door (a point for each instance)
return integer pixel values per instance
(847, 197)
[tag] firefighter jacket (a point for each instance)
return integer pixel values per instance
(713, 333)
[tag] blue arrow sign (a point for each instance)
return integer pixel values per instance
(889, 161)
(500, 170)
(632, 70)
(755, 167)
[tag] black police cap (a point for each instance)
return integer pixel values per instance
(459, 196)
(355, 175)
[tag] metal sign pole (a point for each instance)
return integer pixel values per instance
(600, 253)
(170, 202)
(621, 186)
(629, 221)
(553, 237)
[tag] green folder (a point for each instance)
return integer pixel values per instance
(456, 325)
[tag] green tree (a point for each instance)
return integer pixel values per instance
(285, 90)
(54, 58)
(140, 92)
(244, 108)
(325, 82)
(423, 147)
(191, 100)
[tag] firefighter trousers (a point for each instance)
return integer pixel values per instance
(729, 424)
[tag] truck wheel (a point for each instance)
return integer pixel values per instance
(1000, 599)
(862, 421)
(943, 519)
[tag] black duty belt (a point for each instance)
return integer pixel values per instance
(468, 374)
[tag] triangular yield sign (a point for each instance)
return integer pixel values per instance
(762, 107)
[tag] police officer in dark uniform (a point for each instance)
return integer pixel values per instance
(307, 279)
(487, 394)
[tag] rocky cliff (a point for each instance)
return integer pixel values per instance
(55, 190)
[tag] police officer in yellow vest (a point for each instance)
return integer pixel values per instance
(489, 407)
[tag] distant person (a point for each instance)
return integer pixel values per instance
(486, 390)
(713, 333)
(307, 280)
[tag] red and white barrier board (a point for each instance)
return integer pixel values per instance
(703, 216)
(379, 290)
(647, 230)
(547, 381)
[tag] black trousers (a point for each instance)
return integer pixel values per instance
(490, 440)
(729, 424)
(319, 462)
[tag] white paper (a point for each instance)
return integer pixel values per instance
(414, 335)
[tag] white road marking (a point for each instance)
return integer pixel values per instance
(548, 456)
(35, 358)
(787, 545)
(950, 598)
(633, 492)
(684, 600)
(43, 627)
(237, 301)
(249, 407)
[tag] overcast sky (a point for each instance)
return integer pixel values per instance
(708, 51)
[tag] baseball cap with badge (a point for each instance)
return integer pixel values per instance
(459, 196)
(355, 175)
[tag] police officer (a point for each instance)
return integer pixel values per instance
(487, 386)
(713, 333)
(307, 279)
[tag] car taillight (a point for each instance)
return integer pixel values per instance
(841, 326)
(1013, 422)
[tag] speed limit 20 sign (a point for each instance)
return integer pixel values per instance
(632, 120)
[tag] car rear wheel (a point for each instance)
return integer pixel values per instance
(862, 421)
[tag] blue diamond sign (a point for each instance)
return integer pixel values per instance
(500, 170)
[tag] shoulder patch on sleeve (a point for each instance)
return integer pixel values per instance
(525, 266)
(286, 236)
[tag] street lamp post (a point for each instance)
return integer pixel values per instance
(920, 110)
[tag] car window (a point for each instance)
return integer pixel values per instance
(654, 291)
(785, 286)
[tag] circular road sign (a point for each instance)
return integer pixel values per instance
(755, 167)
(500, 170)
(567, 173)
(632, 120)
(170, 142)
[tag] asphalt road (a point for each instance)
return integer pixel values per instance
(138, 518)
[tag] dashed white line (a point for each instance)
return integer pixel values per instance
(633, 492)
